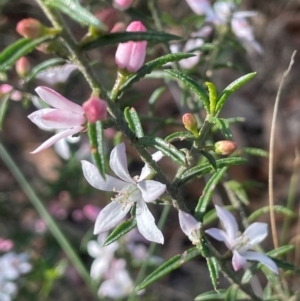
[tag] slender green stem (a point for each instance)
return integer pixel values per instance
(40, 208)
(151, 250)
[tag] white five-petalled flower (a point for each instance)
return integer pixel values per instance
(239, 243)
(129, 191)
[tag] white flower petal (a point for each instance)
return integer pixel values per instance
(187, 222)
(111, 215)
(146, 223)
(146, 170)
(57, 101)
(118, 163)
(92, 175)
(62, 148)
(256, 233)
(151, 190)
(36, 117)
(57, 137)
(93, 248)
(58, 119)
(99, 266)
(238, 260)
(228, 221)
(262, 258)
(218, 234)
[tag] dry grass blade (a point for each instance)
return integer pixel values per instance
(271, 152)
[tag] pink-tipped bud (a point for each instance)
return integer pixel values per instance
(119, 26)
(131, 55)
(95, 109)
(108, 16)
(30, 28)
(122, 4)
(225, 147)
(6, 245)
(189, 226)
(190, 123)
(23, 66)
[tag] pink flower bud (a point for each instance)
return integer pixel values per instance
(22, 66)
(95, 109)
(190, 123)
(108, 16)
(225, 147)
(131, 55)
(122, 4)
(29, 28)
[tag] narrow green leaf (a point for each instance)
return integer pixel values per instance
(213, 95)
(18, 49)
(207, 193)
(152, 65)
(266, 209)
(212, 295)
(206, 168)
(121, 230)
(255, 152)
(231, 88)
(236, 192)
(286, 266)
(43, 66)
(210, 158)
(166, 148)
(122, 37)
(232, 293)
(213, 267)
(179, 136)
(192, 85)
(95, 132)
(157, 93)
(169, 266)
(4, 102)
(137, 123)
(75, 11)
(223, 125)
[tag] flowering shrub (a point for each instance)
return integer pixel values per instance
(107, 71)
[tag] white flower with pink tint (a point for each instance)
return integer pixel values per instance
(103, 256)
(66, 116)
(131, 55)
(56, 75)
(129, 191)
(190, 226)
(202, 7)
(118, 283)
(240, 244)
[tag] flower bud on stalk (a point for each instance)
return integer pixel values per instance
(131, 55)
(225, 147)
(30, 28)
(95, 109)
(122, 4)
(22, 67)
(190, 123)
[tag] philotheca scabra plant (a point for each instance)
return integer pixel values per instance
(141, 155)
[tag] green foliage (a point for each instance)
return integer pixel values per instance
(179, 136)
(169, 266)
(192, 85)
(96, 136)
(75, 11)
(14, 51)
(133, 121)
(120, 230)
(121, 37)
(223, 125)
